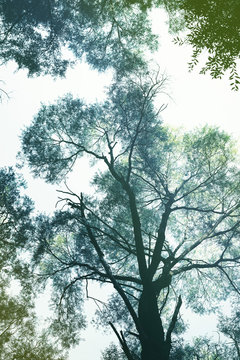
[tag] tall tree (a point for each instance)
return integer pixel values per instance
(161, 226)
(19, 339)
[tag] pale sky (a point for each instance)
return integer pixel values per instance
(195, 100)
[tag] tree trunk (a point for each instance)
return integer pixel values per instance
(152, 339)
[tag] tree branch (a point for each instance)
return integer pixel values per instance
(173, 321)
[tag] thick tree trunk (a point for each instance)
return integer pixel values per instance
(152, 339)
(149, 353)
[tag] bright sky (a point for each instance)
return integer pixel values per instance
(195, 100)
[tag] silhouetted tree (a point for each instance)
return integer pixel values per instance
(161, 226)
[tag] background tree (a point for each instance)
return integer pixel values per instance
(19, 339)
(15, 222)
(162, 225)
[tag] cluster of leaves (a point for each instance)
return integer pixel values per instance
(19, 339)
(204, 348)
(211, 26)
(59, 243)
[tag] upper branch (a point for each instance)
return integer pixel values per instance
(157, 252)
(140, 251)
(216, 264)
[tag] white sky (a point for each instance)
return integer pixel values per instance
(196, 100)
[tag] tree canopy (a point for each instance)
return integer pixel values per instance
(162, 225)
(39, 34)
(109, 34)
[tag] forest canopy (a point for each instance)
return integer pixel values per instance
(47, 36)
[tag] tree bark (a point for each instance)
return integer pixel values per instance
(152, 336)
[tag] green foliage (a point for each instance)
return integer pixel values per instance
(163, 224)
(19, 339)
(75, 128)
(211, 26)
(116, 34)
(67, 298)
